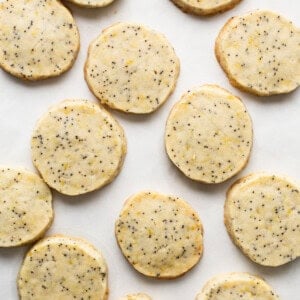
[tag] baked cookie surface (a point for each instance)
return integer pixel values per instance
(209, 134)
(233, 286)
(260, 53)
(92, 3)
(131, 68)
(25, 207)
(205, 7)
(161, 236)
(61, 267)
(38, 39)
(78, 147)
(262, 216)
(139, 296)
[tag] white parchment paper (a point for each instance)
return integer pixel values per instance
(276, 149)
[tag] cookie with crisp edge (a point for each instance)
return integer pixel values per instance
(92, 3)
(262, 228)
(12, 58)
(26, 211)
(241, 283)
(139, 85)
(143, 236)
(78, 147)
(205, 9)
(289, 62)
(225, 138)
(60, 240)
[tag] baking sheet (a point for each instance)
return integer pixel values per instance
(276, 149)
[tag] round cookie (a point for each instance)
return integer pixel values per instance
(78, 147)
(260, 53)
(262, 216)
(209, 134)
(92, 3)
(237, 286)
(25, 207)
(205, 7)
(139, 296)
(38, 39)
(161, 236)
(131, 68)
(61, 267)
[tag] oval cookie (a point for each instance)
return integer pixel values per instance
(205, 7)
(61, 267)
(262, 216)
(131, 68)
(260, 53)
(161, 236)
(25, 207)
(92, 3)
(237, 286)
(78, 147)
(209, 134)
(38, 39)
(139, 296)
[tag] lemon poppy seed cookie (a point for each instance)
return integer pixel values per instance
(131, 68)
(237, 286)
(139, 296)
(25, 207)
(262, 216)
(161, 236)
(260, 53)
(61, 267)
(78, 147)
(205, 7)
(38, 39)
(209, 134)
(92, 3)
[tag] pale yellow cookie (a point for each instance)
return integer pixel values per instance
(61, 267)
(78, 147)
(233, 286)
(92, 3)
(262, 216)
(209, 134)
(161, 236)
(25, 207)
(131, 68)
(260, 53)
(38, 39)
(205, 7)
(139, 296)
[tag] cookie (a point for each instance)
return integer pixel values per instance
(262, 216)
(78, 147)
(38, 38)
(161, 236)
(260, 53)
(139, 296)
(25, 207)
(209, 134)
(61, 267)
(92, 3)
(131, 68)
(205, 7)
(237, 286)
